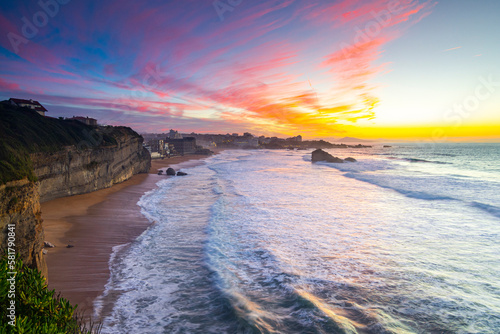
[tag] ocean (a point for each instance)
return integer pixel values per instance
(405, 240)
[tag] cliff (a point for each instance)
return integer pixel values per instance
(20, 206)
(43, 158)
(73, 171)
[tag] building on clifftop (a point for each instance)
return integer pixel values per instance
(86, 120)
(35, 105)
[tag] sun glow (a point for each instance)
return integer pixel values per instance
(322, 69)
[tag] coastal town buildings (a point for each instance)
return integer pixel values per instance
(175, 143)
(174, 134)
(182, 146)
(168, 144)
(295, 139)
(246, 141)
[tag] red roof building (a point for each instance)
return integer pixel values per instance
(35, 105)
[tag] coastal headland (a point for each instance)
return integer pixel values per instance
(43, 158)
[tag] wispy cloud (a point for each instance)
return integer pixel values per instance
(155, 63)
(456, 48)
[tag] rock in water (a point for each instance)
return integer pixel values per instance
(181, 173)
(350, 159)
(320, 155)
(170, 171)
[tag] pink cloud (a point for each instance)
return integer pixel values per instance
(8, 86)
(165, 60)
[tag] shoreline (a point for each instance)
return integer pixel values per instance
(94, 223)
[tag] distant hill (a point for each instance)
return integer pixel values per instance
(352, 140)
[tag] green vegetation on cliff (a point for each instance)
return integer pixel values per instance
(28, 306)
(24, 131)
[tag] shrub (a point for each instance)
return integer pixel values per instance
(37, 309)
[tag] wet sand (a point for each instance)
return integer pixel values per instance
(94, 223)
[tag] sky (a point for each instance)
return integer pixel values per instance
(388, 69)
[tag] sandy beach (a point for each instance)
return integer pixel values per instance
(93, 224)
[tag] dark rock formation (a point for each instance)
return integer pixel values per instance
(350, 159)
(171, 171)
(181, 173)
(320, 155)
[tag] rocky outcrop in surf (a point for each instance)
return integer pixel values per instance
(320, 155)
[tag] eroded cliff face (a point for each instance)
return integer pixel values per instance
(91, 165)
(78, 170)
(20, 210)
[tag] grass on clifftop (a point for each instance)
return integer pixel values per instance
(24, 131)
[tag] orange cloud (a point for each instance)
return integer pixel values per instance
(287, 67)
